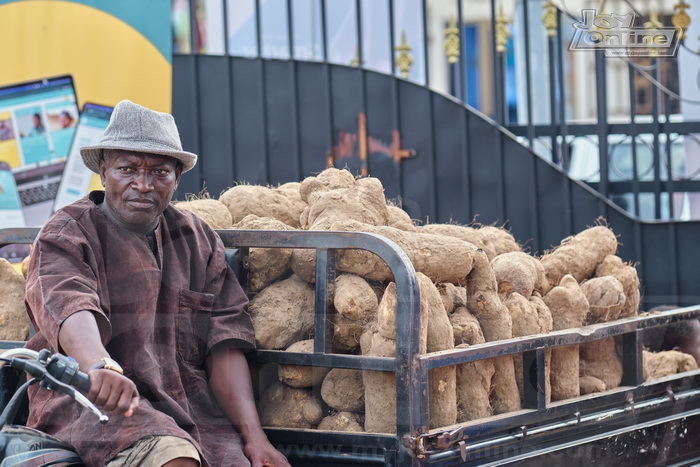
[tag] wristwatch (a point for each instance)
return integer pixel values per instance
(107, 364)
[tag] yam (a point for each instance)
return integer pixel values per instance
(526, 322)
(262, 201)
(443, 382)
(264, 265)
(496, 323)
(283, 313)
(441, 258)
(498, 238)
(298, 376)
(343, 390)
(363, 201)
(601, 360)
(468, 234)
(606, 298)
(354, 298)
(452, 296)
(579, 255)
(627, 275)
(342, 421)
(14, 321)
(329, 179)
(590, 384)
(287, 407)
(213, 212)
(346, 334)
(519, 272)
(473, 388)
(545, 319)
(569, 307)
(399, 219)
(666, 363)
(466, 328)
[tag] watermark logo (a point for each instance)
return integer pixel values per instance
(617, 36)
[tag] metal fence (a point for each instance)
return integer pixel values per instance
(270, 121)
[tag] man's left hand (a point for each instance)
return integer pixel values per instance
(261, 453)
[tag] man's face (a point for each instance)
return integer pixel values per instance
(138, 186)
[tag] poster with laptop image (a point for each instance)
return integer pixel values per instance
(38, 123)
(78, 180)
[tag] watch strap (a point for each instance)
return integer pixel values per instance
(106, 363)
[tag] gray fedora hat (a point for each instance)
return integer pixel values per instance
(133, 127)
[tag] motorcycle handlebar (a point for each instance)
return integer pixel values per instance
(62, 370)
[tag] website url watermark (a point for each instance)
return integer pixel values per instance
(618, 37)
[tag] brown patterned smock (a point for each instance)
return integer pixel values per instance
(163, 314)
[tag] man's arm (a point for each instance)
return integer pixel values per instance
(79, 337)
(229, 378)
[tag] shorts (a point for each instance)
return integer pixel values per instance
(154, 451)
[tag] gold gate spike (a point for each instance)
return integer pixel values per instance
(502, 32)
(404, 60)
(549, 18)
(452, 42)
(653, 25)
(680, 19)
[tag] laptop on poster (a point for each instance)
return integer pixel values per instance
(77, 178)
(39, 119)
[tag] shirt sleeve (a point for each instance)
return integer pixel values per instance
(62, 280)
(229, 318)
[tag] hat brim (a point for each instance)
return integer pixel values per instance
(93, 154)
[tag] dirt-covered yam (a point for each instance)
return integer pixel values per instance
(354, 298)
(298, 376)
(213, 212)
(262, 201)
(264, 265)
(496, 323)
(14, 321)
(329, 179)
(579, 255)
(666, 363)
(569, 307)
(590, 384)
(601, 360)
(627, 275)
(399, 219)
(468, 234)
(288, 407)
(441, 258)
(519, 272)
(466, 327)
(342, 421)
(283, 313)
(606, 298)
(473, 389)
(343, 390)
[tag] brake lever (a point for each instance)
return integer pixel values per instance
(55, 384)
(46, 380)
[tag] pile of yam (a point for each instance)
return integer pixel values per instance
(477, 285)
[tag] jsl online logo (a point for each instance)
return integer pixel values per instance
(617, 36)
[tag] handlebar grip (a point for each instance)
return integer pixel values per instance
(66, 370)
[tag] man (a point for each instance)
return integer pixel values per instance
(139, 293)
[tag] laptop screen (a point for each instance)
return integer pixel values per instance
(37, 123)
(76, 177)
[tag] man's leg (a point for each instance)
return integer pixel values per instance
(157, 451)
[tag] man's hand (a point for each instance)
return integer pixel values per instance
(112, 392)
(229, 378)
(261, 453)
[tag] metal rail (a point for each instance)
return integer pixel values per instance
(413, 441)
